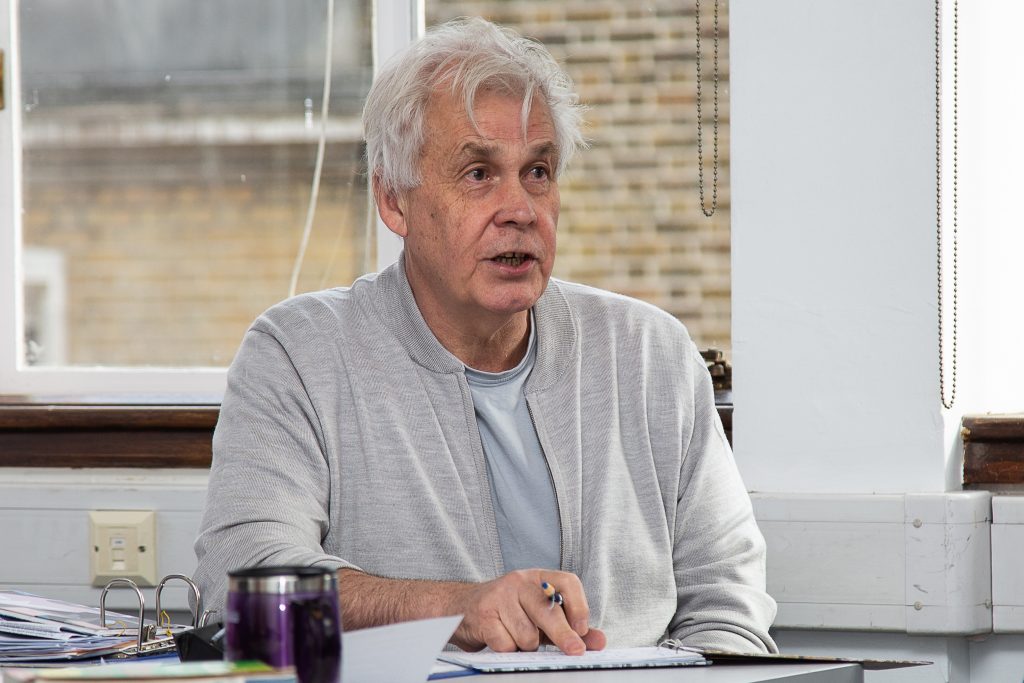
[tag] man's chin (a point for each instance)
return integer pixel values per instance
(508, 312)
(513, 305)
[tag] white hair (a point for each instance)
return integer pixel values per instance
(466, 54)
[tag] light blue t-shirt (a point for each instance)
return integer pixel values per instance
(524, 497)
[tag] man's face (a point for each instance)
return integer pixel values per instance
(480, 229)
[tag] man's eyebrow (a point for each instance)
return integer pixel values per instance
(473, 150)
(476, 150)
(545, 149)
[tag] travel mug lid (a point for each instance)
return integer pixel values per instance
(282, 580)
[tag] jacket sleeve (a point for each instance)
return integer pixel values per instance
(719, 552)
(269, 492)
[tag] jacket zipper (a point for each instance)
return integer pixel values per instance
(554, 489)
(481, 462)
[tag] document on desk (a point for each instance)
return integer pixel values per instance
(618, 658)
(37, 629)
(50, 618)
(399, 653)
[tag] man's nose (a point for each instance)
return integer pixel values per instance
(516, 204)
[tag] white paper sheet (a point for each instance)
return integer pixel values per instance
(399, 653)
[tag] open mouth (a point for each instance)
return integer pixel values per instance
(512, 258)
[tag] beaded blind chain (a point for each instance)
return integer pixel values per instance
(700, 126)
(938, 195)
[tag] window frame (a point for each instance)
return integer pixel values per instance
(396, 23)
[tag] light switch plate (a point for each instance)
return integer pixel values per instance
(122, 544)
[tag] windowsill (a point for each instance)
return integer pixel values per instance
(127, 431)
(993, 451)
(103, 433)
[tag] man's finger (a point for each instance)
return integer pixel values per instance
(520, 627)
(573, 601)
(595, 639)
(498, 638)
(527, 638)
(550, 618)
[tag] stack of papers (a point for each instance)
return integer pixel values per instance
(37, 629)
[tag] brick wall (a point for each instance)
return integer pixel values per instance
(170, 253)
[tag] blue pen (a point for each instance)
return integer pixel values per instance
(554, 596)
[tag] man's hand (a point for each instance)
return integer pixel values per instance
(507, 614)
(512, 613)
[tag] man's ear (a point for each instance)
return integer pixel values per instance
(391, 209)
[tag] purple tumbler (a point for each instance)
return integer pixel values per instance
(286, 616)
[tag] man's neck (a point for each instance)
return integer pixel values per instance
(496, 347)
(491, 342)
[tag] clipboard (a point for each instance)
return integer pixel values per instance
(727, 657)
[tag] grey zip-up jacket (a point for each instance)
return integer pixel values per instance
(347, 438)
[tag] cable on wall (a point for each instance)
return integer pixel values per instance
(314, 192)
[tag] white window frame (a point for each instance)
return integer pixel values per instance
(396, 23)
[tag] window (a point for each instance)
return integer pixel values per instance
(162, 153)
(158, 159)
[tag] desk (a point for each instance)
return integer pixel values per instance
(714, 673)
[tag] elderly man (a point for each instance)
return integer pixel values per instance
(460, 431)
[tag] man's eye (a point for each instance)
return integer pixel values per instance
(477, 174)
(539, 173)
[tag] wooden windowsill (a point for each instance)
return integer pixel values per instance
(105, 433)
(993, 451)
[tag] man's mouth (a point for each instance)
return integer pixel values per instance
(511, 258)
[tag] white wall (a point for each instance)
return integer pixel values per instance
(833, 246)
(44, 528)
(834, 301)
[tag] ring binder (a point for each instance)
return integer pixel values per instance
(142, 606)
(205, 619)
(149, 639)
(195, 593)
(49, 630)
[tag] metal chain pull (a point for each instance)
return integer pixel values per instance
(700, 122)
(938, 192)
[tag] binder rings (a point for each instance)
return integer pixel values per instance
(35, 629)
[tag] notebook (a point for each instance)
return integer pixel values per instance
(618, 658)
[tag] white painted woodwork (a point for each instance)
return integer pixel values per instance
(918, 563)
(1008, 564)
(44, 528)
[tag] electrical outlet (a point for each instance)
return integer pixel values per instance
(122, 544)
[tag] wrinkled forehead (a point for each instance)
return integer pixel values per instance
(449, 107)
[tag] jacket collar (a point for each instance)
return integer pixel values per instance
(556, 329)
